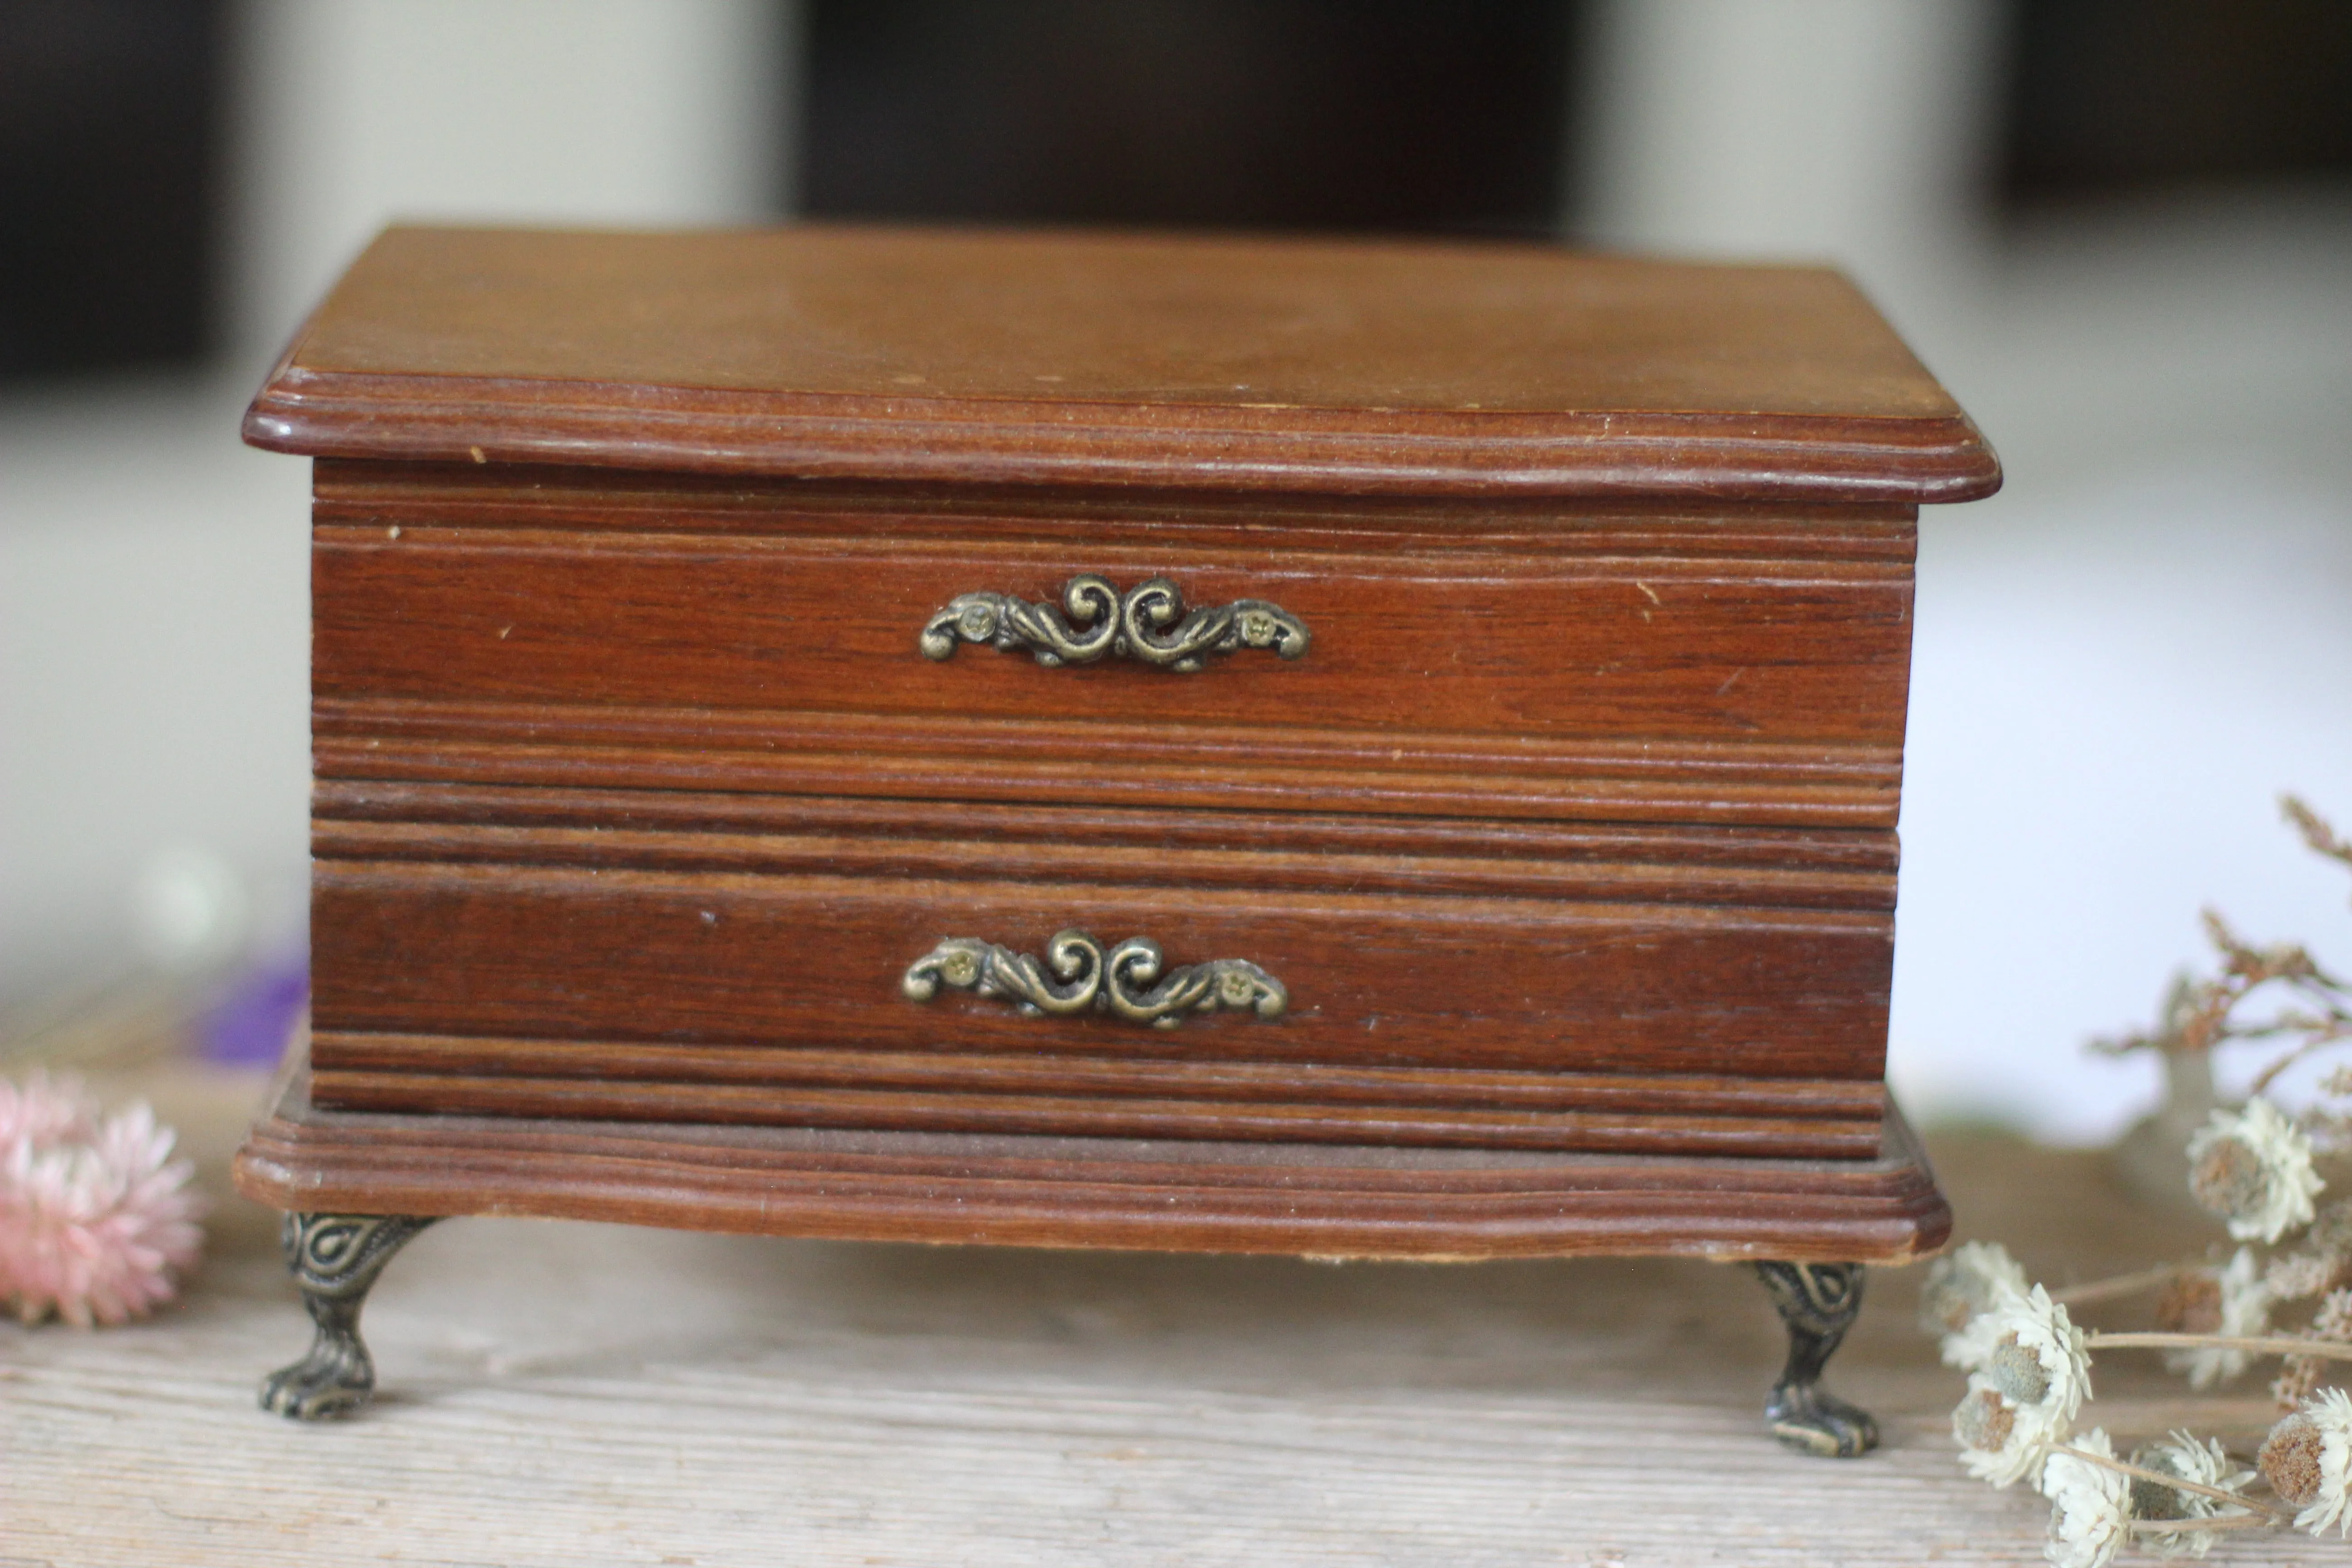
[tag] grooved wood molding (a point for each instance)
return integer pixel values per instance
(1480, 684)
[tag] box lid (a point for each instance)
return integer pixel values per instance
(1061, 358)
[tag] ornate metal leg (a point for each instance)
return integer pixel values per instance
(1819, 1301)
(335, 1258)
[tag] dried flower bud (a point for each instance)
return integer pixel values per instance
(2228, 1178)
(2299, 1375)
(2190, 1303)
(2153, 1500)
(2233, 1301)
(2017, 1372)
(2183, 1456)
(2297, 1381)
(2290, 1460)
(1984, 1421)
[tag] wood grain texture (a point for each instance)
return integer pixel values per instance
(1329, 366)
(505, 627)
(1527, 647)
(369, 819)
(1170, 1194)
(526, 952)
(1385, 980)
(953, 759)
(1570, 837)
(1101, 1097)
(554, 1393)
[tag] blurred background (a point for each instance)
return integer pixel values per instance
(2120, 231)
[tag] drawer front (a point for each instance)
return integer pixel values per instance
(1516, 646)
(1675, 672)
(664, 990)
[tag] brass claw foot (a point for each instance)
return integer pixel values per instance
(335, 1258)
(1819, 1303)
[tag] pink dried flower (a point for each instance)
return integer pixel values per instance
(96, 1220)
(45, 1111)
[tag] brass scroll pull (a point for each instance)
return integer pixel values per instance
(1077, 976)
(1148, 624)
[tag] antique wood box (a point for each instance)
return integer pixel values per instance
(1373, 749)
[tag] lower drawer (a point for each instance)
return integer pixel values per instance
(785, 999)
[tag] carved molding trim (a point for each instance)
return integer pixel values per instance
(1147, 623)
(1077, 976)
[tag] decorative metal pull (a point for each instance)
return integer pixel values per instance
(1083, 979)
(1101, 623)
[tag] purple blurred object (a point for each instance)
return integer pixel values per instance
(256, 1016)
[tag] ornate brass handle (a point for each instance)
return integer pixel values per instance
(1085, 979)
(1102, 623)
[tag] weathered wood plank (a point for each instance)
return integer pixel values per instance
(563, 1394)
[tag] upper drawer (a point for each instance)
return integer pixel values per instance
(1702, 666)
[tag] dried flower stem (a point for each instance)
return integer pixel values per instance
(2271, 1344)
(2118, 1284)
(2226, 1522)
(2327, 1035)
(2161, 1477)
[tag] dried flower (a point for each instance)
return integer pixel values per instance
(2030, 1381)
(2233, 1301)
(2307, 1459)
(2299, 1375)
(2253, 1168)
(2203, 1463)
(2090, 1509)
(2299, 1275)
(95, 1220)
(2331, 1232)
(45, 1111)
(1961, 1286)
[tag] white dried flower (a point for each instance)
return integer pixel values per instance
(2025, 1393)
(2234, 1301)
(2252, 1167)
(1960, 1288)
(2204, 1463)
(2089, 1504)
(2307, 1459)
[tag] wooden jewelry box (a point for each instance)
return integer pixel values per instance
(1364, 750)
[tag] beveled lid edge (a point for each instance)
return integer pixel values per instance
(1813, 457)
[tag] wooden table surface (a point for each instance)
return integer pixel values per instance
(570, 1394)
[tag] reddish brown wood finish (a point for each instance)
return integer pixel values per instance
(519, 627)
(801, 960)
(692, 830)
(1328, 367)
(1171, 1194)
(1570, 837)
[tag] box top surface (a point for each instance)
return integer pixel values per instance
(1061, 358)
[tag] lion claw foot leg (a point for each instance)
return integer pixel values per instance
(335, 1378)
(1817, 1302)
(1820, 1424)
(335, 1258)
